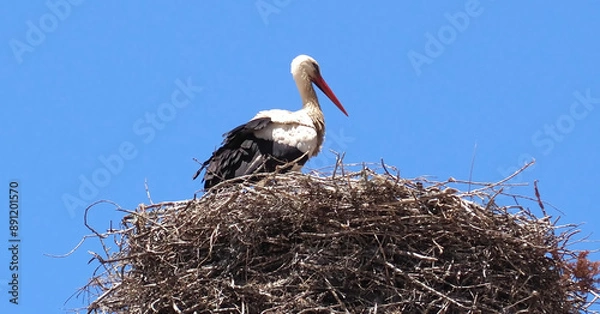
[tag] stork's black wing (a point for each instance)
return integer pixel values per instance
(242, 153)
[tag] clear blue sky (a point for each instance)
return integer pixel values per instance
(98, 98)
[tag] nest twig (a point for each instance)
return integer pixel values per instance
(351, 242)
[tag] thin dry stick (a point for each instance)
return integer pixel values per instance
(472, 166)
(539, 199)
(516, 173)
(85, 215)
(148, 191)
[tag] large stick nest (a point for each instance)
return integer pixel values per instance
(351, 242)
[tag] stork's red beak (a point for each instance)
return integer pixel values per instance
(320, 82)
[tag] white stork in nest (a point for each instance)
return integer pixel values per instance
(275, 140)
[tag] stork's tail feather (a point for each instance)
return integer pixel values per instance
(198, 173)
(204, 164)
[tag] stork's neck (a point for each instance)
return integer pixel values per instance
(310, 102)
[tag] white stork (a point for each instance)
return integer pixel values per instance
(275, 140)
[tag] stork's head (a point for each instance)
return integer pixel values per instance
(306, 65)
(307, 68)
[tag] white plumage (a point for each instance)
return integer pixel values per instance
(294, 129)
